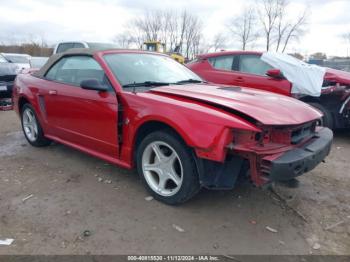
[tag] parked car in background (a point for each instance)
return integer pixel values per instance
(64, 46)
(326, 89)
(8, 72)
(35, 64)
(37, 61)
(21, 60)
(145, 110)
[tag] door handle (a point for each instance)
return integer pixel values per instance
(52, 92)
(239, 79)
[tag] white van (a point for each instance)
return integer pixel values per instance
(64, 46)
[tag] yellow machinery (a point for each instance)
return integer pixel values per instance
(156, 46)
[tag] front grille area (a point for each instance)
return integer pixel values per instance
(7, 78)
(302, 132)
(291, 135)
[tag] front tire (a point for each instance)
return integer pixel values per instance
(167, 167)
(327, 119)
(31, 127)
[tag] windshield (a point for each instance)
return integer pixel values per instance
(141, 68)
(17, 59)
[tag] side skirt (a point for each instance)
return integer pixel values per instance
(104, 157)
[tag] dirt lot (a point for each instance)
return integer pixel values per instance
(73, 192)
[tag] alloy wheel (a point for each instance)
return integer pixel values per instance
(30, 125)
(162, 168)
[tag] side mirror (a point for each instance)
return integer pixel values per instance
(93, 84)
(275, 73)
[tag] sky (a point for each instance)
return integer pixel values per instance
(101, 20)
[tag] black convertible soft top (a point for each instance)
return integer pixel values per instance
(54, 58)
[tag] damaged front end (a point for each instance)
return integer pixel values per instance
(277, 153)
(282, 153)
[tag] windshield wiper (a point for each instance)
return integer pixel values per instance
(186, 81)
(147, 83)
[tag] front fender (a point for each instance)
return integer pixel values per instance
(206, 129)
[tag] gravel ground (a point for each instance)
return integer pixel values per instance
(56, 200)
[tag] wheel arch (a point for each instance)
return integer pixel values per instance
(21, 102)
(310, 99)
(209, 144)
(150, 126)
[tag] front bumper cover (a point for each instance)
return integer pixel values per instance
(301, 160)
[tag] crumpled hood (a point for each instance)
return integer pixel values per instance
(265, 107)
(341, 77)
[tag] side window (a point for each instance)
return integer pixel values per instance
(222, 62)
(253, 64)
(74, 69)
(64, 47)
(51, 74)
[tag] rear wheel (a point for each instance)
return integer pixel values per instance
(31, 127)
(167, 168)
(327, 119)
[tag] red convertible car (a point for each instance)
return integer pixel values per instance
(144, 110)
(281, 75)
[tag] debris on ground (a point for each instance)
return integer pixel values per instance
(316, 246)
(63, 244)
(149, 198)
(108, 181)
(253, 222)
(100, 179)
(27, 197)
(6, 242)
(271, 229)
(282, 242)
(216, 246)
(178, 228)
(87, 233)
(284, 201)
(334, 225)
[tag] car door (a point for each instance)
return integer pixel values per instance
(252, 71)
(85, 118)
(220, 70)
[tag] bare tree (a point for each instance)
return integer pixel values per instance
(173, 29)
(177, 31)
(268, 14)
(192, 35)
(277, 27)
(242, 27)
(151, 24)
(219, 42)
(125, 39)
(346, 37)
(287, 30)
